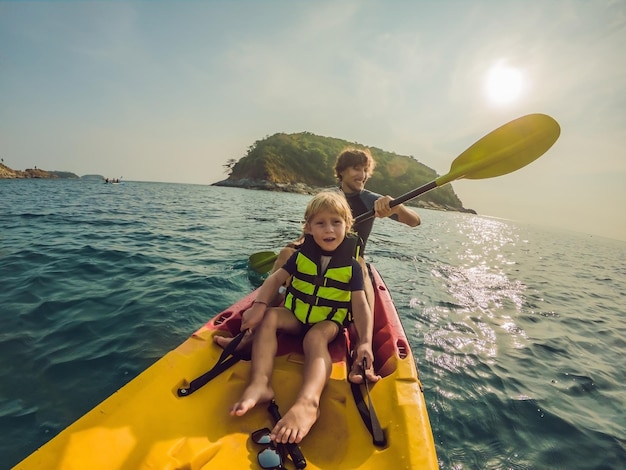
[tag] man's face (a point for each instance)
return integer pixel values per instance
(353, 178)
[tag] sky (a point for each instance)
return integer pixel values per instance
(170, 91)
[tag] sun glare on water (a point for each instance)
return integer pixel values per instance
(504, 84)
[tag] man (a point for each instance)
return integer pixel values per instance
(353, 168)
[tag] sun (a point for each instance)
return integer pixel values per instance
(504, 84)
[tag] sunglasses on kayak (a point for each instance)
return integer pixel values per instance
(270, 458)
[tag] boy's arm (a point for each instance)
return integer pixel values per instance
(364, 323)
(253, 316)
(363, 319)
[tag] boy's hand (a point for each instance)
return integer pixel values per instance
(252, 317)
(357, 375)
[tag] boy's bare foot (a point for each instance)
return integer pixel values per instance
(357, 376)
(224, 341)
(252, 395)
(297, 422)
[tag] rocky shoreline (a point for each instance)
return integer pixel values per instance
(9, 173)
(301, 188)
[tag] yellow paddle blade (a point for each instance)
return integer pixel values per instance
(262, 262)
(506, 149)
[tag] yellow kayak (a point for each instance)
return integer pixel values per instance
(154, 422)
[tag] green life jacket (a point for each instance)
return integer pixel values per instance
(314, 296)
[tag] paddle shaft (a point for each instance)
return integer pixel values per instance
(399, 200)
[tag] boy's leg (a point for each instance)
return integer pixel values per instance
(264, 348)
(299, 419)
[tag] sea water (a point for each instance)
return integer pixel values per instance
(518, 330)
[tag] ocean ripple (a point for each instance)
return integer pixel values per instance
(518, 331)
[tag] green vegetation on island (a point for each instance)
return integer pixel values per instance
(304, 162)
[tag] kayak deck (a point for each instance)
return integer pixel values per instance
(145, 425)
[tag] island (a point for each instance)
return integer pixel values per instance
(303, 163)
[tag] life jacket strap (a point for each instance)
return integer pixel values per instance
(310, 299)
(322, 281)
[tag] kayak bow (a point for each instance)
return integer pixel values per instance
(147, 425)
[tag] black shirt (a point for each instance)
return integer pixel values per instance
(360, 203)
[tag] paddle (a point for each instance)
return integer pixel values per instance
(262, 262)
(504, 150)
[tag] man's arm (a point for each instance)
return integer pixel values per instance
(407, 216)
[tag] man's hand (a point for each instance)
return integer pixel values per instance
(405, 215)
(382, 208)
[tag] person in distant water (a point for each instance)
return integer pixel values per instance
(326, 256)
(353, 167)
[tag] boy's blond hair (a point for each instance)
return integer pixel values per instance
(331, 201)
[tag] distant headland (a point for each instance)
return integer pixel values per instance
(9, 173)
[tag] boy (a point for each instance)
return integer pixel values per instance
(327, 287)
(353, 167)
